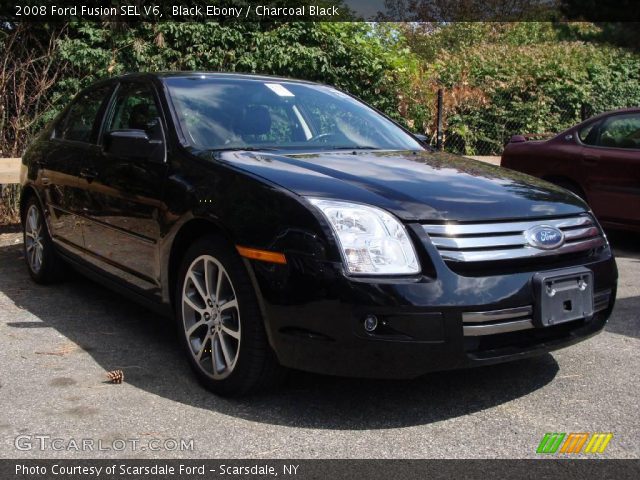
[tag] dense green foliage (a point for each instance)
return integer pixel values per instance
(498, 78)
(47, 64)
(347, 55)
(501, 79)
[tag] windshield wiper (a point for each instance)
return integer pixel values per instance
(356, 147)
(242, 149)
(270, 149)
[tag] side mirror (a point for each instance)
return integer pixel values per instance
(421, 138)
(133, 144)
(518, 139)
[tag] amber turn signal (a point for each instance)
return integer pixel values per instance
(263, 255)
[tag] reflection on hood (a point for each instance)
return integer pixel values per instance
(417, 185)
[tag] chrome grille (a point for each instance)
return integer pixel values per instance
(491, 322)
(497, 321)
(481, 242)
(601, 300)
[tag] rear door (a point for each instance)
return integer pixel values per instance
(611, 168)
(124, 231)
(69, 167)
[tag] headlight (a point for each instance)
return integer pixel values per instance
(372, 241)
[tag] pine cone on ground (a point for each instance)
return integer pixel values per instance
(115, 376)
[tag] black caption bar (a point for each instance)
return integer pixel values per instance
(317, 469)
(320, 10)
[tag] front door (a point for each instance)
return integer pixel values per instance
(125, 228)
(612, 169)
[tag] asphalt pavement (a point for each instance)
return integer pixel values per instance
(57, 343)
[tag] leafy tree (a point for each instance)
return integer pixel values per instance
(352, 56)
(500, 78)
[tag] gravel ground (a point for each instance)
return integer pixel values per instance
(59, 341)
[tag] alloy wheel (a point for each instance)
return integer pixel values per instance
(33, 239)
(211, 317)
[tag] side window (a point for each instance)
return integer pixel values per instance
(135, 109)
(621, 131)
(81, 122)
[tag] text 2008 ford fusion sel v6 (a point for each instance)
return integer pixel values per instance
(285, 223)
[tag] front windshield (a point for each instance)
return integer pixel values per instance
(223, 113)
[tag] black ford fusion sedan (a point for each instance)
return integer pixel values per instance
(286, 223)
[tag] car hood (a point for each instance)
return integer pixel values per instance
(413, 185)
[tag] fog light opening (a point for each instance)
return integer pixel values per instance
(370, 323)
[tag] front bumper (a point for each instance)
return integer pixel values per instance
(441, 320)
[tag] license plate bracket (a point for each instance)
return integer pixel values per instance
(563, 296)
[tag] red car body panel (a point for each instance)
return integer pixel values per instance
(607, 176)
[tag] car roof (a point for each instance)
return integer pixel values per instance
(206, 74)
(596, 118)
(612, 112)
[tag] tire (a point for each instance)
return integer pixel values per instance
(43, 262)
(219, 321)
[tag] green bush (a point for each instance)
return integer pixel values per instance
(504, 79)
(499, 78)
(353, 56)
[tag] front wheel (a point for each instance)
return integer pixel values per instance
(43, 262)
(219, 321)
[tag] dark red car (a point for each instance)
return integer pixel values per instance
(599, 160)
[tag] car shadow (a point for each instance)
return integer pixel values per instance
(624, 320)
(117, 333)
(625, 244)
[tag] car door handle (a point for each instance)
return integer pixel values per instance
(88, 174)
(591, 160)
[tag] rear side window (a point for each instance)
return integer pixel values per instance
(81, 122)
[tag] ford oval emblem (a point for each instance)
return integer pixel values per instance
(544, 237)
